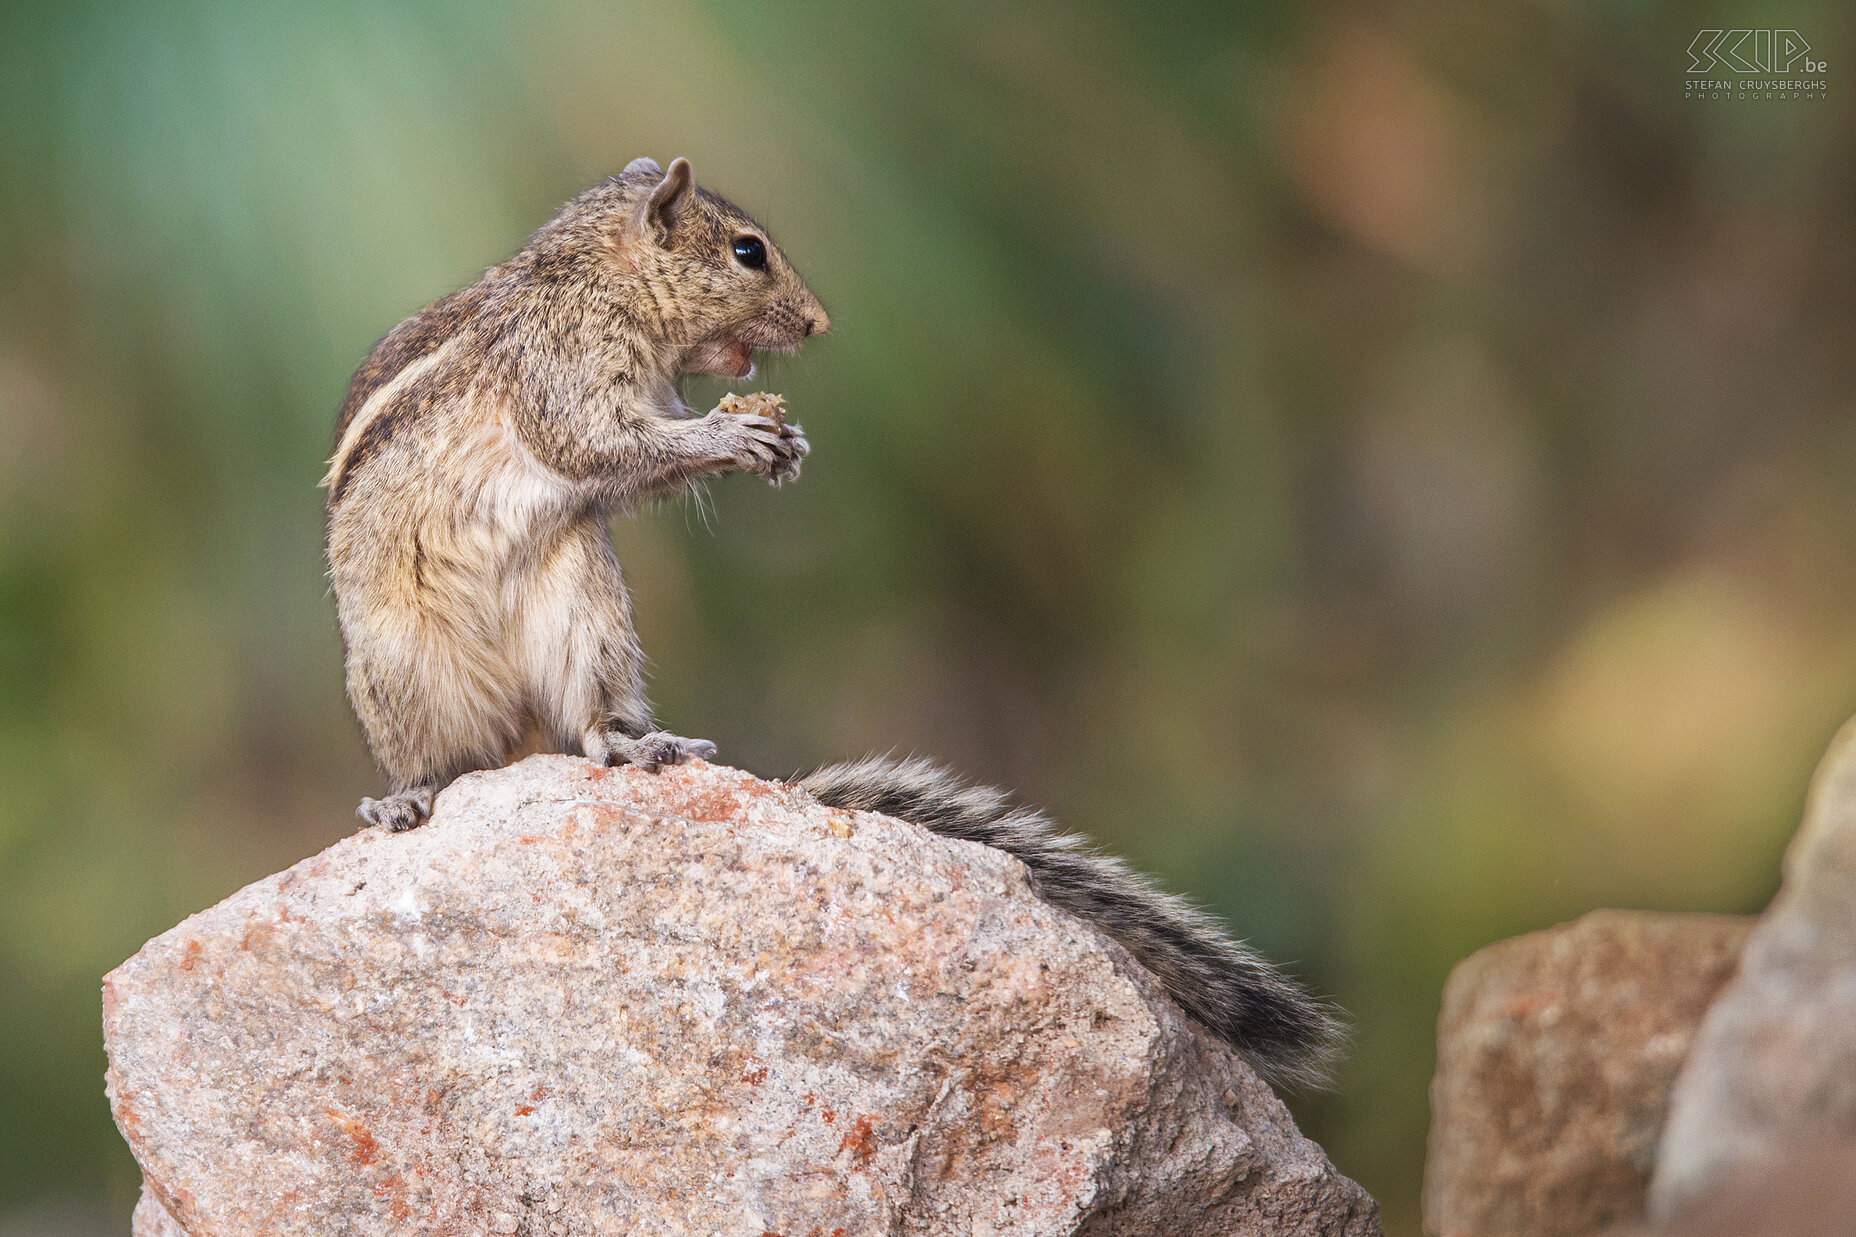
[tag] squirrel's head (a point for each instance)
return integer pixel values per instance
(716, 286)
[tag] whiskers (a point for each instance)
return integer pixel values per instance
(698, 499)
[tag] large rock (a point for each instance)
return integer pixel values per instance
(589, 1001)
(1774, 1065)
(1809, 1191)
(1555, 1055)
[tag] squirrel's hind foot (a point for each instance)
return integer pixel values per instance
(398, 813)
(649, 752)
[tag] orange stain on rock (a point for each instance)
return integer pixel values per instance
(365, 1148)
(860, 1141)
(392, 1191)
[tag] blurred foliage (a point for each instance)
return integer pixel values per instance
(1386, 467)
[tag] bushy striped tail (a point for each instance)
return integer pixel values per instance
(1287, 1036)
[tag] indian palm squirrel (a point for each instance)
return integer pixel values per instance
(479, 451)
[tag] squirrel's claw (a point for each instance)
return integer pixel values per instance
(763, 445)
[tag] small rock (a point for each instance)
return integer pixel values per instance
(1774, 1064)
(1555, 1055)
(600, 1001)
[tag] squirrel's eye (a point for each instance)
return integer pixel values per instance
(751, 253)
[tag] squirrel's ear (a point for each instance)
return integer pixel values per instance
(642, 165)
(668, 200)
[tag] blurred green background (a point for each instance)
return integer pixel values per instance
(1386, 467)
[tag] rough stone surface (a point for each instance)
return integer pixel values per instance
(1774, 1064)
(1555, 1055)
(589, 1001)
(151, 1219)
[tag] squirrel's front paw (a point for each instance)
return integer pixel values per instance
(786, 468)
(763, 445)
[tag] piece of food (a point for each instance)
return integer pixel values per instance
(755, 404)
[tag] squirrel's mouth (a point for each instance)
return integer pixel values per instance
(728, 356)
(730, 352)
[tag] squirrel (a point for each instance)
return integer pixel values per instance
(481, 447)
(479, 450)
